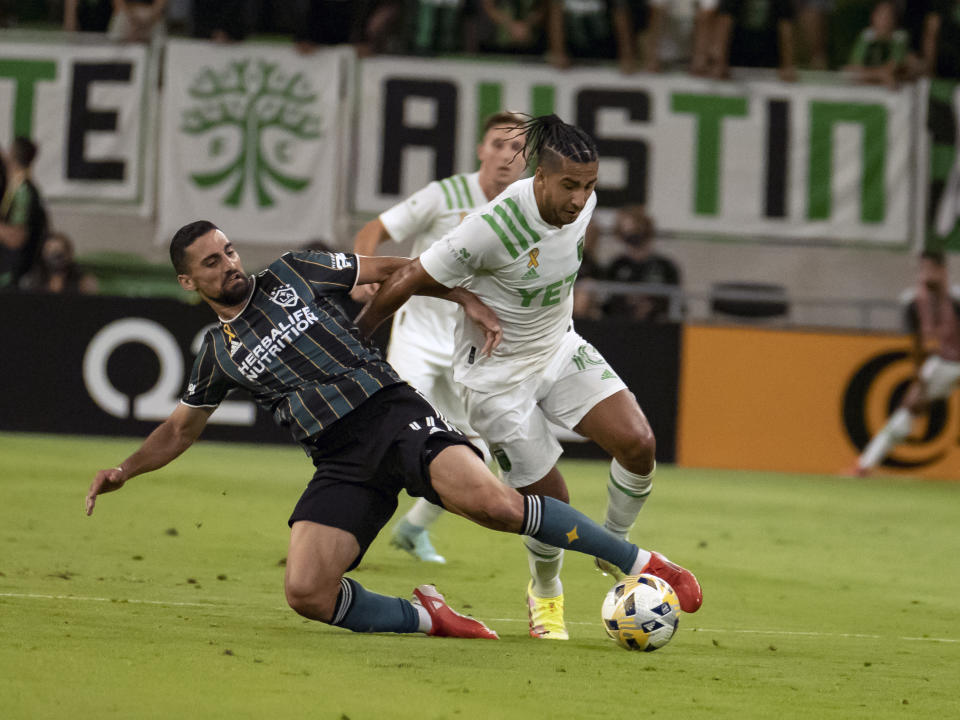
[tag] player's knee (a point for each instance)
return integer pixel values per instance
(312, 599)
(637, 449)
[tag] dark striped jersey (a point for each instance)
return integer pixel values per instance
(293, 347)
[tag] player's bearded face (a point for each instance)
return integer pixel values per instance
(233, 289)
(566, 190)
(215, 270)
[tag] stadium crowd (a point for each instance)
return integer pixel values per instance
(885, 42)
(706, 37)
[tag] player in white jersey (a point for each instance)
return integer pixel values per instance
(520, 254)
(421, 340)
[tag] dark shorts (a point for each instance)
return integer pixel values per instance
(363, 462)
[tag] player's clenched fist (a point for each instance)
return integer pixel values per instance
(105, 481)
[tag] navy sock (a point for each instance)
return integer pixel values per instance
(364, 611)
(558, 524)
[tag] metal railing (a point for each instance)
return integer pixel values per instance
(866, 314)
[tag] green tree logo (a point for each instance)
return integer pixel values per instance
(251, 97)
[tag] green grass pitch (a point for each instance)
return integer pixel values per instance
(823, 598)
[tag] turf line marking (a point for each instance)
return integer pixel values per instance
(808, 633)
(781, 633)
(83, 598)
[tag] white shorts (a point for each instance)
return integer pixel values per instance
(434, 380)
(939, 377)
(514, 421)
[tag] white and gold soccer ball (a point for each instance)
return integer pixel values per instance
(641, 612)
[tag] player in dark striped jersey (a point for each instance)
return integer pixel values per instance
(283, 337)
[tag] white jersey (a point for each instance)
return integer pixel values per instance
(425, 323)
(524, 270)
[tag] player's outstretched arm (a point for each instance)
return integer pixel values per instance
(394, 291)
(412, 279)
(166, 442)
(366, 242)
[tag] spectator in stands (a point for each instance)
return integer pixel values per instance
(704, 51)
(640, 264)
(669, 36)
(87, 15)
(328, 22)
(934, 27)
(222, 21)
(438, 26)
(753, 33)
(23, 218)
(514, 26)
(57, 271)
(591, 29)
(649, 20)
(587, 299)
(880, 53)
(813, 24)
(369, 25)
(138, 21)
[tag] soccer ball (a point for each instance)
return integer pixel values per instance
(641, 612)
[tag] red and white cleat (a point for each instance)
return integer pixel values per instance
(680, 579)
(447, 622)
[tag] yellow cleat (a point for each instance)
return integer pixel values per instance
(546, 616)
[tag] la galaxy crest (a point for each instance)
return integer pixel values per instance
(285, 296)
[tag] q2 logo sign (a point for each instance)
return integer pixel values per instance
(876, 389)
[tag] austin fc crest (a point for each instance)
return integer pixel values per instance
(285, 296)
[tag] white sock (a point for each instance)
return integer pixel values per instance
(423, 513)
(426, 622)
(545, 562)
(643, 557)
(626, 493)
(893, 433)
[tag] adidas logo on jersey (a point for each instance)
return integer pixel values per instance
(530, 274)
(234, 346)
(608, 375)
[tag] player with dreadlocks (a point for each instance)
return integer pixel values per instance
(520, 254)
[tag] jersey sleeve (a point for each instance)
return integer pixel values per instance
(19, 213)
(899, 46)
(470, 247)
(327, 273)
(414, 215)
(208, 384)
(858, 54)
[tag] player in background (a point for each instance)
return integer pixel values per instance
(283, 336)
(934, 320)
(421, 339)
(520, 256)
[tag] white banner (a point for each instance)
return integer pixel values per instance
(761, 159)
(252, 139)
(89, 108)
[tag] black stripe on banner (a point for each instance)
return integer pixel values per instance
(778, 159)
